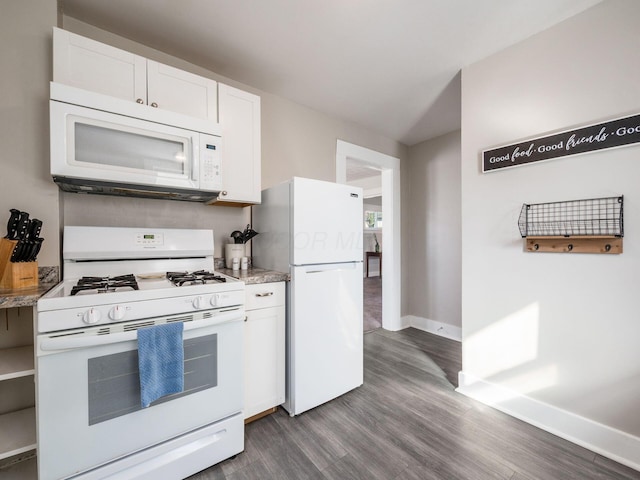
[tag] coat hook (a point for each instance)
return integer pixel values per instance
(536, 246)
(570, 247)
(607, 247)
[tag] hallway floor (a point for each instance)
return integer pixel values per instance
(372, 312)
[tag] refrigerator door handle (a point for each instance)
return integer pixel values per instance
(330, 267)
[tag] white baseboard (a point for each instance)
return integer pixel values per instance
(438, 328)
(606, 441)
(401, 324)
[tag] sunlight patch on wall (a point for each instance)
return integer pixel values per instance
(503, 345)
(533, 381)
(518, 386)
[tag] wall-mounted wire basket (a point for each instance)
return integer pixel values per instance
(590, 226)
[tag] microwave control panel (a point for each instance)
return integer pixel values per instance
(210, 163)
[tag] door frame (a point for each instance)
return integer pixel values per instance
(391, 232)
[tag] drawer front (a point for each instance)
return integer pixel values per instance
(264, 295)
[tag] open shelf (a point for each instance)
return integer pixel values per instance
(16, 362)
(17, 432)
(579, 226)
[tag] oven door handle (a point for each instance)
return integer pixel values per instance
(48, 344)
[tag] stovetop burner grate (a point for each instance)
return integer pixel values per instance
(200, 277)
(105, 284)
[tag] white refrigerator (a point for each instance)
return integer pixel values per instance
(313, 230)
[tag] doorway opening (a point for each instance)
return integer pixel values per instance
(371, 166)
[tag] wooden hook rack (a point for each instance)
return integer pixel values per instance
(575, 244)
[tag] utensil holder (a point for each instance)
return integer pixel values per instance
(231, 251)
(15, 275)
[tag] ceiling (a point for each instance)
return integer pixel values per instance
(389, 65)
(358, 170)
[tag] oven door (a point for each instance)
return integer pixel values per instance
(88, 392)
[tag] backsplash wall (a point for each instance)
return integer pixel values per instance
(108, 211)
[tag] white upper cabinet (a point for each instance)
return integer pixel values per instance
(94, 66)
(180, 91)
(239, 117)
(84, 63)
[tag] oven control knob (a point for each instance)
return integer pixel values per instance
(91, 316)
(117, 312)
(197, 302)
(214, 299)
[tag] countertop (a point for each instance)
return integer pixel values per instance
(254, 276)
(24, 297)
(27, 297)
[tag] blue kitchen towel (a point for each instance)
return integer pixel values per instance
(160, 361)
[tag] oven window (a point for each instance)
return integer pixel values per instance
(114, 382)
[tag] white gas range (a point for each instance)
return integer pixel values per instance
(117, 281)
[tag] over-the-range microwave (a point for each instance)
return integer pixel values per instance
(106, 145)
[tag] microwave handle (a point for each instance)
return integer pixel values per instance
(193, 159)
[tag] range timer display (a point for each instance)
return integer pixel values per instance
(149, 239)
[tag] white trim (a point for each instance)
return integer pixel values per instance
(405, 322)
(391, 237)
(372, 192)
(606, 441)
(441, 329)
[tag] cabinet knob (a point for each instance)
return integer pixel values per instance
(223, 193)
(139, 100)
(154, 105)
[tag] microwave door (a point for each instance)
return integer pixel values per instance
(131, 151)
(106, 147)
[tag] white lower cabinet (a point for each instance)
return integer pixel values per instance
(264, 343)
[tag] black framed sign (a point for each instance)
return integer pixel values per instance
(611, 134)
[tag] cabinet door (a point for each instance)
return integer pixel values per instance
(264, 351)
(239, 117)
(179, 91)
(90, 65)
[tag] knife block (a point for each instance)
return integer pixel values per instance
(15, 275)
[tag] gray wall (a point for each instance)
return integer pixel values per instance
(25, 63)
(299, 141)
(561, 329)
(431, 224)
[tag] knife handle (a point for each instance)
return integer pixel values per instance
(12, 224)
(23, 223)
(33, 230)
(17, 252)
(36, 249)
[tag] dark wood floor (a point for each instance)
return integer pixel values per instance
(407, 423)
